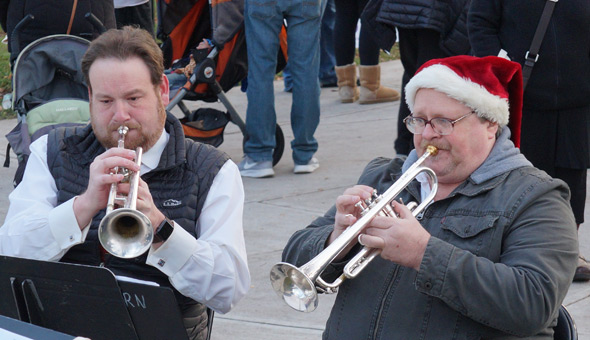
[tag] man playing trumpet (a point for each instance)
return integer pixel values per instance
(191, 193)
(492, 255)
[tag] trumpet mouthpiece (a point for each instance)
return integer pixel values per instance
(432, 150)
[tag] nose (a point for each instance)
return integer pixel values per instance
(120, 113)
(429, 132)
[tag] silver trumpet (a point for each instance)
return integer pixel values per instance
(125, 232)
(299, 287)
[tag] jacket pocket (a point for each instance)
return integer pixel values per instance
(471, 233)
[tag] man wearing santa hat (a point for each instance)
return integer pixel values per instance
(482, 260)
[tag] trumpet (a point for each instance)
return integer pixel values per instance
(299, 286)
(125, 232)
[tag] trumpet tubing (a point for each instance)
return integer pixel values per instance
(299, 286)
(125, 232)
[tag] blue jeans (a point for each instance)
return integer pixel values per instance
(327, 58)
(264, 20)
(327, 73)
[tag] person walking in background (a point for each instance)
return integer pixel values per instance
(348, 13)
(327, 73)
(556, 108)
(135, 13)
(264, 20)
(428, 29)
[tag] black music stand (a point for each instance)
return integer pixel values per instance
(85, 301)
(28, 330)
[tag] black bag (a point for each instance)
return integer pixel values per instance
(206, 125)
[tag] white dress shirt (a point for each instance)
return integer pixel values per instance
(211, 269)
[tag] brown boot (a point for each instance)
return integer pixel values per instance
(347, 89)
(371, 89)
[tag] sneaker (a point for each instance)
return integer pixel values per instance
(310, 167)
(249, 168)
(582, 271)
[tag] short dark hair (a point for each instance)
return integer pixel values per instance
(125, 43)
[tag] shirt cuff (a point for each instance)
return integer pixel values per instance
(64, 225)
(174, 252)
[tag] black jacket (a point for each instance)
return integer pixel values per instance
(53, 17)
(446, 17)
(560, 78)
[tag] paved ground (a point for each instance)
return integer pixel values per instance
(349, 135)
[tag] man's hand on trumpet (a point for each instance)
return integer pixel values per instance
(401, 239)
(96, 195)
(347, 213)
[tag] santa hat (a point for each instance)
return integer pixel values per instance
(491, 86)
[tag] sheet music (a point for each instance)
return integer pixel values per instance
(134, 280)
(7, 335)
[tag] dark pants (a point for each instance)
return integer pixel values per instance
(416, 46)
(558, 142)
(140, 16)
(348, 13)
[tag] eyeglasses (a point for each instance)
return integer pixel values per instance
(442, 126)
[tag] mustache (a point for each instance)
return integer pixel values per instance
(115, 126)
(437, 144)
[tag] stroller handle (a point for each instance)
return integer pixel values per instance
(97, 24)
(15, 39)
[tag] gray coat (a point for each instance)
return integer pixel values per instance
(500, 260)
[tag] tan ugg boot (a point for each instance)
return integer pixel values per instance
(371, 89)
(347, 89)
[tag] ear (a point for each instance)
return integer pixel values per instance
(164, 88)
(492, 129)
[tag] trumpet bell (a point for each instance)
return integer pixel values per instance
(126, 233)
(294, 287)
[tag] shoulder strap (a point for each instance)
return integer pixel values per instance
(533, 53)
(72, 16)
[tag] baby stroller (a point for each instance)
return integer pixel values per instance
(48, 90)
(183, 25)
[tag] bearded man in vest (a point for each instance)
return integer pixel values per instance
(191, 193)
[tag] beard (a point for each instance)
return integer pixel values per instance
(136, 136)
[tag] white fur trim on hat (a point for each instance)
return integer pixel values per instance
(441, 78)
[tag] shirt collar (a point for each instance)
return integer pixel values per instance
(151, 158)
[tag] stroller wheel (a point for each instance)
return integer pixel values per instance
(280, 145)
(280, 142)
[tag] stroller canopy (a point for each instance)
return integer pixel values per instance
(49, 68)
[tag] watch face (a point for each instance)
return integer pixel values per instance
(164, 231)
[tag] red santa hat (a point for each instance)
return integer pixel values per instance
(491, 86)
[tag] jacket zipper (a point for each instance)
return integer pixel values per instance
(377, 322)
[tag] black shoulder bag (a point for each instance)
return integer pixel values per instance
(532, 54)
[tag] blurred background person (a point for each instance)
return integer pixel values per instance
(264, 21)
(556, 104)
(348, 13)
(135, 13)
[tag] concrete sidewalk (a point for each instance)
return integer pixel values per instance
(349, 136)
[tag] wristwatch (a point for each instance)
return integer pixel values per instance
(164, 231)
